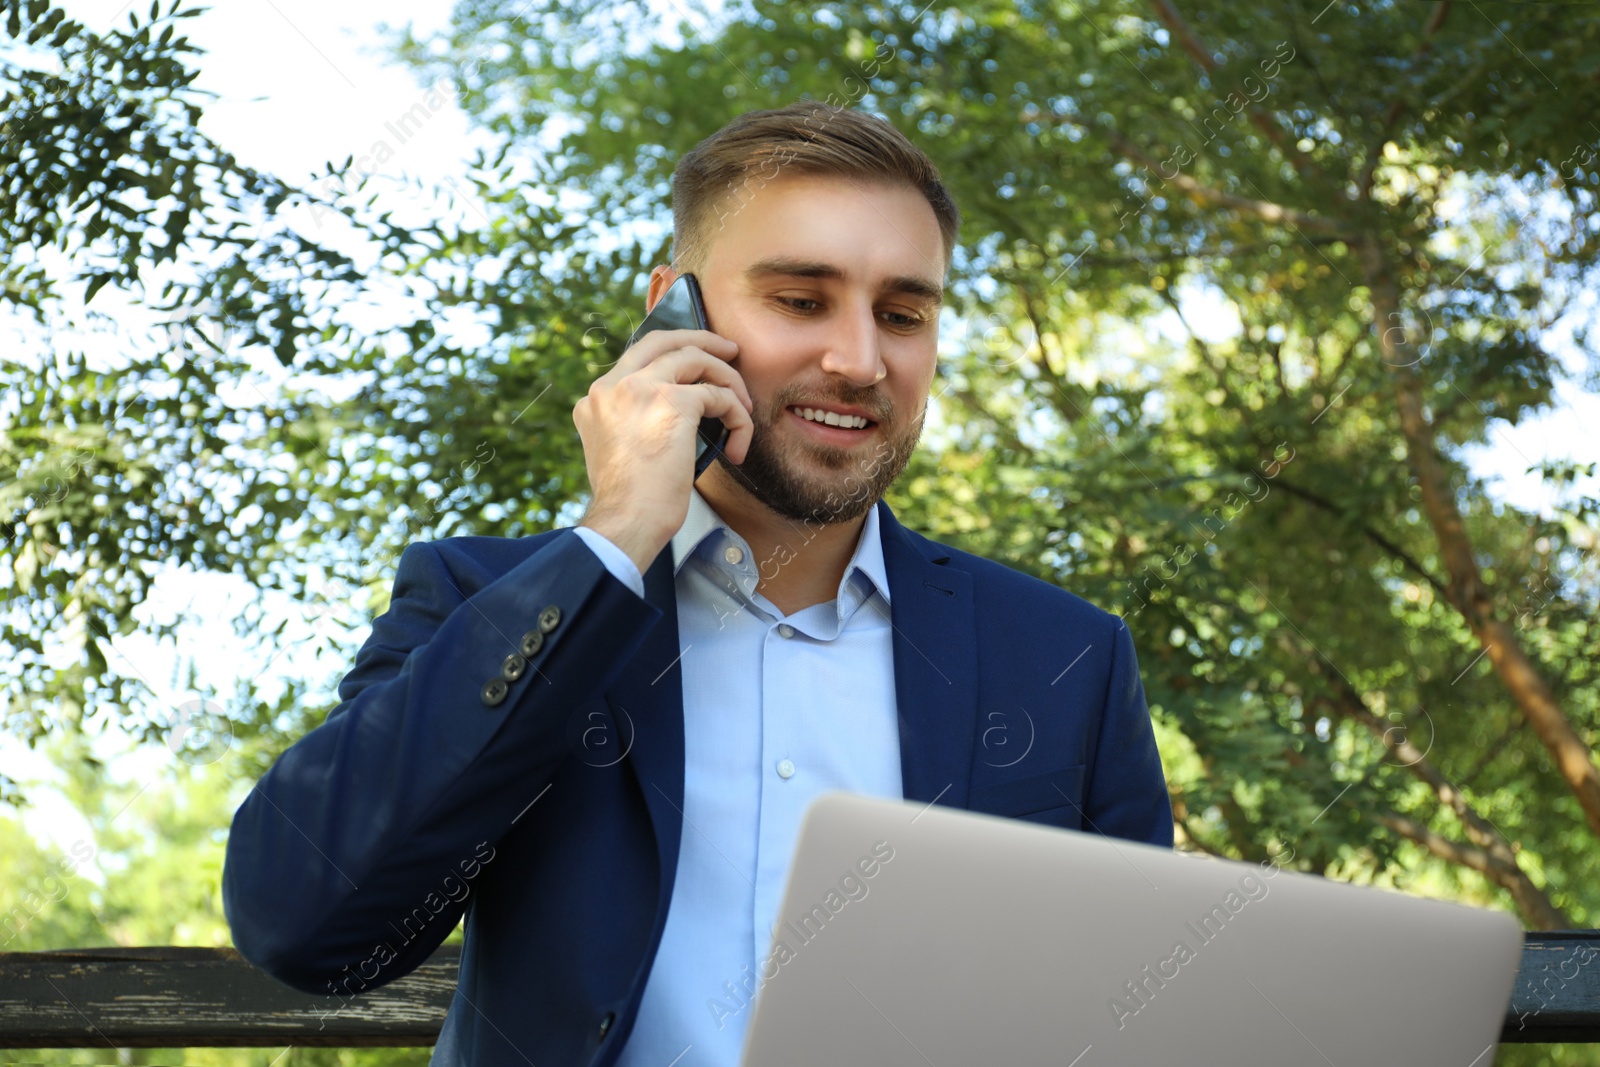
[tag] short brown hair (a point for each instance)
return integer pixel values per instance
(809, 137)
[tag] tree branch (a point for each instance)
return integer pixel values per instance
(1493, 855)
(1265, 210)
(1441, 9)
(1495, 749)
(1466, 591)
(1203, 194)
(1407, 559)
(1004, 432)
(1091, 259)
(1180, 29)
(1344, 362)
(1043, 359)
(1475, 858)
(1201, 349)
(1277, 370)
(1479, 860)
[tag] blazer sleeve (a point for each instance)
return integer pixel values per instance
(379, 810)
(1126, 794)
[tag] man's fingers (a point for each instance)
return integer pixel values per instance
(689, 365)
(728, 406)
(701, 366)
(652, 346)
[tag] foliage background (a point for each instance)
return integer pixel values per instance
(1239, 286)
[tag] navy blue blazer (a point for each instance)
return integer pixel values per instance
(509, 745)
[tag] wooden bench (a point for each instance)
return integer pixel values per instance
(203, 997)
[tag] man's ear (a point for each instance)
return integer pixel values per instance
(661, 279)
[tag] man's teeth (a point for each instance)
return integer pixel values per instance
(832, 418)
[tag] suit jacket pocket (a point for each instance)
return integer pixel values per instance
(1054, 798)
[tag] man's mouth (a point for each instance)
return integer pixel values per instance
(824, 417)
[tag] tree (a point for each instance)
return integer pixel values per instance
(1353, 651)
(1283, 512)
(110, 471)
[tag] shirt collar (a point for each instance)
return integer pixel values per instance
(703, 524)
(700, 524)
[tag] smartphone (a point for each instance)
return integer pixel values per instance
(681, 307)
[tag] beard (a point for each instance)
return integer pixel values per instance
(784, 473)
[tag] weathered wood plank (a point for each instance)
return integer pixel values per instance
(1556, 998)
(198, 997)
(201, 997)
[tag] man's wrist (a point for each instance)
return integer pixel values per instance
(617, 562)
(640, 546)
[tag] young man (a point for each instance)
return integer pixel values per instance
(598, 743)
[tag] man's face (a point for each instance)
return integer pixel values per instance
(831, 289)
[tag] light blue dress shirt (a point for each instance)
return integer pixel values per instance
(776, 711)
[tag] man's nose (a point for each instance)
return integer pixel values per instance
(853, 351)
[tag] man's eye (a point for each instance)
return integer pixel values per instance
(902, 321)
(796, 303)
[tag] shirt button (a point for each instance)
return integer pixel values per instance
(786, 630)
(785, 768)
(733, 554)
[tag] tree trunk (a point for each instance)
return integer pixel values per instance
(1465, 589)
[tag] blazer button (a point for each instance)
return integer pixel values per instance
(532, 641)
(513, 667)
(549, 618)
(494, 692)
(605, 1023)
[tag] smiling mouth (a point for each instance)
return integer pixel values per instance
(833, 419)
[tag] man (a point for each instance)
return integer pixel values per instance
(597, 743)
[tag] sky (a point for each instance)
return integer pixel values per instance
(301, 83)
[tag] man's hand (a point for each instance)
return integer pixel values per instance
(638, 425)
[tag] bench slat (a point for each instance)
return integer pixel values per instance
(211, 998)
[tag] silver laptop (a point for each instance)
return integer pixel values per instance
(918, 936)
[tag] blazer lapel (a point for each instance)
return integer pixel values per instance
(649, 694)
(935, 666)
(936, 684)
